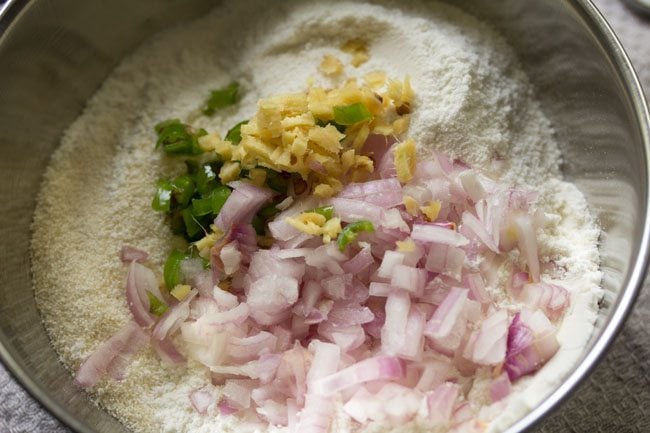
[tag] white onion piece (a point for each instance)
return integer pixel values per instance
(235, 315)
(201, 400)
(531, 342)
(398, 306)
(130, 254)
(386, 165)
(551, 298)
(380, 289)
(472, 184)
(349, 315)
(316, 416)
(376, 368)
(360, 262)
(249, 348)
(123, 358)
(377, 145)
(231, 257)
(386, 193)
(489, 346)
(500, 387)
(388, 263)
(244, 201)
(139, 280)
(271, 295)
(249, 369)
(441, 402)
(517, 283)
(336, 286)
(437, 234)
(434, 373)
(472, 223)
(203, 281)
(391, 219)
(527, 242)
(362, 405)
(167, 352)
(291, 253)
(325, 362)
(477, 291)
(412, 345)
(446, 260)
(353, 210)
(96, 364)
(238, 392)
(326, 257)
(409, 278)
(172, 319)
(284, 204)
(446, 315)
(347, 338)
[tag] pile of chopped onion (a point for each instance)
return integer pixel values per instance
(391, 325)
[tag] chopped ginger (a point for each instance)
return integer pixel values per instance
(180, 291)
(315, 224)
(229, 171)
(296, 133)
(330, 65)
(405, 246)
(405, 158)
(359, 50)
(432, 210)
(411, 205)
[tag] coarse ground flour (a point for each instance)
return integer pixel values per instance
(473, 102)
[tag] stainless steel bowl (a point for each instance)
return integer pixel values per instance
(54, 55)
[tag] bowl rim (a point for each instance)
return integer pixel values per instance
(628, 77)
(622, 65)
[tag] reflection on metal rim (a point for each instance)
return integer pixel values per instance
(630, 291)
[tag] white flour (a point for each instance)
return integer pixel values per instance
(473, 102)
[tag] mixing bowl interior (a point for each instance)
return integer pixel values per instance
(54, 55)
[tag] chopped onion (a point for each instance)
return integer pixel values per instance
(139, 280)
(489, 346)
(386, 193)
(240, 207)
(360, 262)
(376, 368)
(436, 234)
(130, 254)
(350, 210)
(446, 315)
(441, 402)
(528, 350)
(446, 260)
(500, 387)
(97, 363)
(201, 400)
(527, 243)
(551, 298)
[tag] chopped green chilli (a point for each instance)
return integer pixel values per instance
(183, 189)
(162, 199)
(326, 211)
(278, 182)
(156, 306)
(351, 114)
(234, 133)
(177, 138)
(206, 178)
(172, 268)
(192, 226)
(221, 98)
(351, 231)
